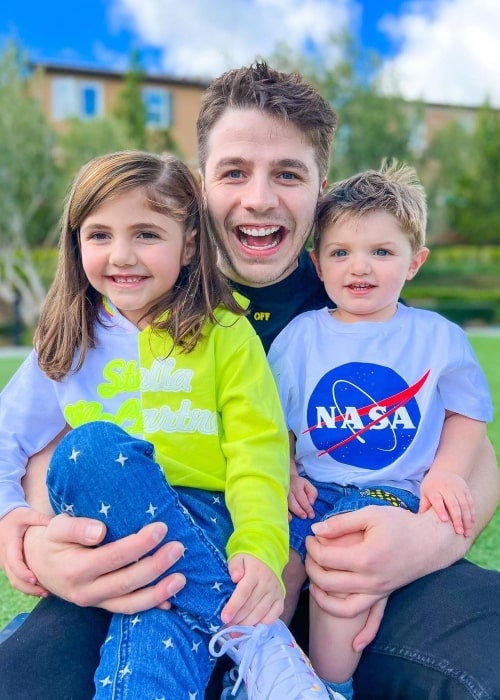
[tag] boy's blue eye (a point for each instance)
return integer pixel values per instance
(382, 252)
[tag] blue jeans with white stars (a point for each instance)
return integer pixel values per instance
(101, 472)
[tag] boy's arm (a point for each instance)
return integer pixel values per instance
(445, 487)
(461, 438)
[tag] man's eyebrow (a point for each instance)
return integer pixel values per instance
(283, 163)
(291, 163)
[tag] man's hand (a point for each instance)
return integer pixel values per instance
(68, 564)
(357, 559)
(13, 527)
(258, 596)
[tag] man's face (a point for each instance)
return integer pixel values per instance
(261, 184)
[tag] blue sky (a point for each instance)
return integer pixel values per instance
(438, 50)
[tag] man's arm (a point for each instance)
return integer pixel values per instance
(397, 547)
(64, 558)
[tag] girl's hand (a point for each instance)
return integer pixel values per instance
(301, 497)
(258, 596)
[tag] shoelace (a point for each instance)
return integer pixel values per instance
(248, 635)
(252, 637)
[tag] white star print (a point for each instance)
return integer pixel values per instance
(121, 459)
(193, 696)
(135, 621)
(168, 643)
(104, 509)
(217, 585)
(125, 671)
(152, 510)
(74, 454)
(106, 681)
(68, 508)
(195, 646)
(214, 628)
(215, 499)
(214, 519)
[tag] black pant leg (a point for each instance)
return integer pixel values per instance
(54, 654)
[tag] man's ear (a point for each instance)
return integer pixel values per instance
(189, 247)
(322, 188)
(417, 261)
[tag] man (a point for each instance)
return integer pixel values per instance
(264, 143)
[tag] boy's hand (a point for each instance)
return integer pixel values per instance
(258, 596)
(13, 527)
(301, 497)
(450, 496)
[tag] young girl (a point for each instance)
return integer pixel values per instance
(143, 351)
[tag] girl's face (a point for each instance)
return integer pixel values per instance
(132, 254)
(364, 263)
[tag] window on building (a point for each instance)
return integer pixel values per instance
(91, 101)
(158, 102)
(72, 97)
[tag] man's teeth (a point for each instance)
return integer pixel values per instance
(264, 231)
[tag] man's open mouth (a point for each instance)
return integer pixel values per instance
(261, 237)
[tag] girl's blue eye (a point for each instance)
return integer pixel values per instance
(381, 252)
(340, 253)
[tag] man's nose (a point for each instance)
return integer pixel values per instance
(259, 194)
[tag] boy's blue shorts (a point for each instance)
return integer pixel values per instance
(334, 499)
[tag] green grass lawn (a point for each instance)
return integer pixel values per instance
(486, 551)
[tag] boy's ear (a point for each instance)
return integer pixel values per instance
(417, 261)
(316, 264)
(189, 247)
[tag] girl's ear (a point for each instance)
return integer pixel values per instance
(189, 247)
(417, 261)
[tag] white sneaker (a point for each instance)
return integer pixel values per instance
(270, 662)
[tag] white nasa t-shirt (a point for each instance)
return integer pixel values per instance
(366, 401)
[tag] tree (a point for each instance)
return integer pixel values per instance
(474, 204)
(26, 182)
(131, 110)
(130, 107)
(372, 125)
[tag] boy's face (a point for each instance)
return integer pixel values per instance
(261, 184)
(364, 263)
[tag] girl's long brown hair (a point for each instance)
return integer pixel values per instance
(70, 312)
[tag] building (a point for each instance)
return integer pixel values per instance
(67, 91)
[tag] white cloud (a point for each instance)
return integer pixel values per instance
(447, 50)
(202, 38)
(450, 56)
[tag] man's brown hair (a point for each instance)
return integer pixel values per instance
(284, 96)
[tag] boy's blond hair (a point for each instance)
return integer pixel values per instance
(395, 189)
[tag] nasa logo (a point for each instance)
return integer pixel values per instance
(363, 414)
